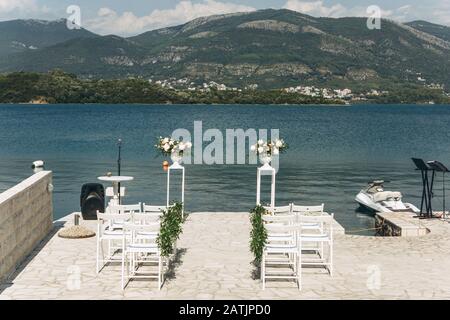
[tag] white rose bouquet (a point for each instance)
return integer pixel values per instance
(269, 148)
(170, 147)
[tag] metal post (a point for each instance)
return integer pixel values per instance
(272, 196)
(258, 187)
(182, 193)
(119, 160)
(427, 188)
(168, 187)
(423, 193)
(430, 195)
(443, 194)
(427, 194)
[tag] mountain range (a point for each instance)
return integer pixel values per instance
(271, 48)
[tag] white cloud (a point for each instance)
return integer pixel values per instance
(319, 9)
(403, 13)
(108, 21)
(316, 8)
(436, 11)
(7, 6)
(441, 12)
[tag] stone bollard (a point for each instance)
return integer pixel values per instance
(76, 219)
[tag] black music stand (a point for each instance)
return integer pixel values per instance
(437, 166)
(427, 188)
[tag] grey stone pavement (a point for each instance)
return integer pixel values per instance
(214, 262)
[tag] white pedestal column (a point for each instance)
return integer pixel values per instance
(264, 171)
(176, 166)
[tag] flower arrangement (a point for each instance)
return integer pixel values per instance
(171, 147)
(269, 148)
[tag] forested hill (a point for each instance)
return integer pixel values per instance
(270, 48)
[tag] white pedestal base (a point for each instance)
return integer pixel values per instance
(176, 166)
(266, 169)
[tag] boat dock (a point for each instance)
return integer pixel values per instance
(213, 261)
(213, 258)
(401, 224)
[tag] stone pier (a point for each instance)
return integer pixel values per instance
(213, 261)
(400, 224)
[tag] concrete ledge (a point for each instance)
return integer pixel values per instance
(338, 228)
(400, 224)
(26, 212)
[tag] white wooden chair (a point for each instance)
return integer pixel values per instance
(323, 237)
(312, 227)
(140, 250)
(282, 252)
(108, 230)
(309, 210)
(279, 221)
(121, 209)
(143, 219)
(125, 208)
(114, 245)
(157, 210)
(279, 210)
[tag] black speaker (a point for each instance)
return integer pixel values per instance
(92, 198)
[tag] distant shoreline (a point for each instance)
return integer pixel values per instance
(59, 88)
(225, 104)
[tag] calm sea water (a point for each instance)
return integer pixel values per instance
(334, 152)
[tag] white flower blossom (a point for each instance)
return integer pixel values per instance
(276, 151)
(279, 143)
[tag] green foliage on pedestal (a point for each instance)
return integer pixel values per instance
(258, 234)
(171, 227)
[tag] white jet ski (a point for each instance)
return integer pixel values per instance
(375, 198)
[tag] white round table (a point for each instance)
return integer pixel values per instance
(116, 180)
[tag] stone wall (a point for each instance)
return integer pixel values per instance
(399, 224)
(26, 218)
(386, 228)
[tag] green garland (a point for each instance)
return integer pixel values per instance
(171, 228)
(258, 234)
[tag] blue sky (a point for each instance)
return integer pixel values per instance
(135, 16)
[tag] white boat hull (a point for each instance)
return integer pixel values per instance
(367, 202)
(385, 206)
